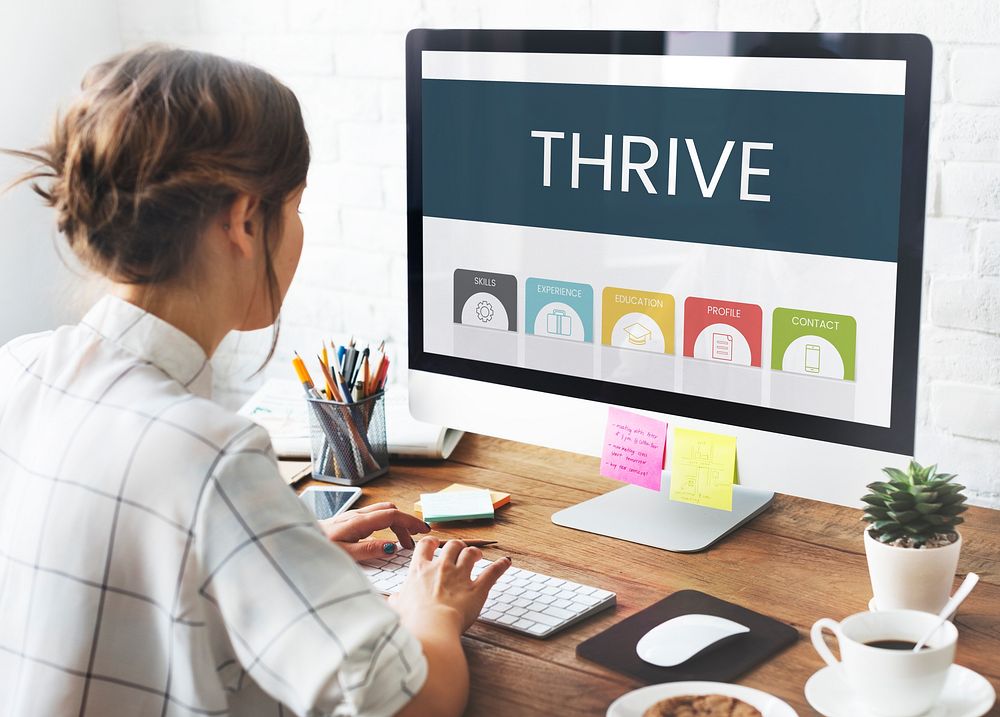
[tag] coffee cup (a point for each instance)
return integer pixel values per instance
(890, 680)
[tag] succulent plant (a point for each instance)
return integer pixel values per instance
(916, 505)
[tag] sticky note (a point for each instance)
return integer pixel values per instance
(703, 468)
(499, 498)
(634, 448)
(456, 505)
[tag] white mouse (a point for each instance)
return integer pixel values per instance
(679, 639)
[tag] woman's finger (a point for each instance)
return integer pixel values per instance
(491, 573)
(369, 549)
(451, 550)
(373, 507)
(424, 552)
(364, 524)
(467, 558)
(404, 537)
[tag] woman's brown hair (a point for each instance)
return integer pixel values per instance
(159, 141)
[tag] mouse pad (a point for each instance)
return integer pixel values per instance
(615, 647)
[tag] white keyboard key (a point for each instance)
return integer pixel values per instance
(558, 613)
(541, 617)
(531, 603)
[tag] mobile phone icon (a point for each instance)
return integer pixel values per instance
(812, 358)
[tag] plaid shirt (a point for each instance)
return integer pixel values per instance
(152, 562)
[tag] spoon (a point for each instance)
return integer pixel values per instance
(949, 607)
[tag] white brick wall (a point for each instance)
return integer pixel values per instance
(344, 59)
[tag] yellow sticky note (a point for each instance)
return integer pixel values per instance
(703, 468)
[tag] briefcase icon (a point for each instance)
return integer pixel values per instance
(558, 323)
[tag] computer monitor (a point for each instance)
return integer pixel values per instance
(722, 229)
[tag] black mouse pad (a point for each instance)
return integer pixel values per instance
(615, 647)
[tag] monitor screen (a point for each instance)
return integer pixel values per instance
(707, 232)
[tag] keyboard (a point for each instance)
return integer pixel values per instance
(526, 602)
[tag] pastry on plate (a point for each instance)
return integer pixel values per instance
(701, 706)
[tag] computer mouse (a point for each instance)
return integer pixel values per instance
(679, 639)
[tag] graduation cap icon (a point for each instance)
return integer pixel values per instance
(638, 335)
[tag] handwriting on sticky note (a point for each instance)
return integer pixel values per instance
(703, 468)
(633, 448)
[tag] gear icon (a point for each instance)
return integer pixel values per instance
(484, 311)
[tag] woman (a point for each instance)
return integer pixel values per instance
(152, 562)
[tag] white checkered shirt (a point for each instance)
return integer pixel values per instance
(152, 561)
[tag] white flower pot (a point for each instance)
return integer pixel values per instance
(910, 578)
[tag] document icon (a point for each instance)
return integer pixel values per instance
(558, 323)
(722, 347)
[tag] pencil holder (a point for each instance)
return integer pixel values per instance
(347, 440)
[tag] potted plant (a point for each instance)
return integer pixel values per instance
(911, 541)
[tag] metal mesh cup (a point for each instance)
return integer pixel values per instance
(347, 440)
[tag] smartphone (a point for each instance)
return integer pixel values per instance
(812, 358)
(328, 501)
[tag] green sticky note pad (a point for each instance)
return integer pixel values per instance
(703, 469)
(456, 505)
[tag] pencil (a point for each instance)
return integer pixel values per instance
(331, 392)
(470, 543)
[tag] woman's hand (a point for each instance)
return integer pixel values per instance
(350, 530)
(443, 587)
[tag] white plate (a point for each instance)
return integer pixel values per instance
(634, 703)
(965, 694)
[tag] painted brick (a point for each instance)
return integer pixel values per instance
(948, 247)
(966, 304)
(393, 100)
(988, 249)
(451, 13)
(975, 462)
(155, 17)
(971, 189)
(370, 54)
(286, 55)
(374, 144)
(967, 410)
(966, 132)
(974, 76)
(347, 15)
(374, 230)
(394, 189)
(346, 185)
(838, 14)
(965, 21)
(645, 15)
(767, 15)
(530, 14)
(959, 355)
(233, 16)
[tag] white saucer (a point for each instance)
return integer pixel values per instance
(965, 694)
(634, 703)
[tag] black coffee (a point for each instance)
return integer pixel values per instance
(894, 644)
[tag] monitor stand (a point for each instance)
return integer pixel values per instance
(639, 515)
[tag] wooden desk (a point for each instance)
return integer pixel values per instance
(799, 561)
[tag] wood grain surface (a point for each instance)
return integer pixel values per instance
(799, 561)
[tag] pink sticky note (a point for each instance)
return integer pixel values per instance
(634, 448)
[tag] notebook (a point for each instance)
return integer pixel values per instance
(615, 647)
(280, 408)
